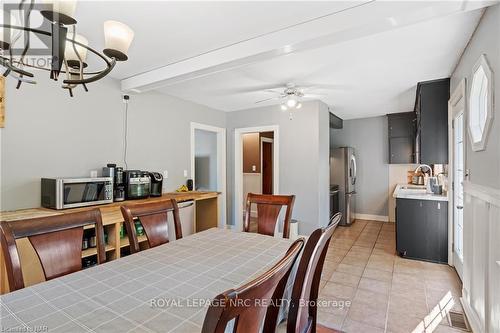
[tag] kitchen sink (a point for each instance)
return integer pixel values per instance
(413, 187)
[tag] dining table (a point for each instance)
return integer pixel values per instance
(163, 289)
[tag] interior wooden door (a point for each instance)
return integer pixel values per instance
(267, 167)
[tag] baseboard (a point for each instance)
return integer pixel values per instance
(472, 318)
(371, 217)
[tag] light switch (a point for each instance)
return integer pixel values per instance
(254, 168)
(185, 173)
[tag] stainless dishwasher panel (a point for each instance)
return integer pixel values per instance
(186, 215)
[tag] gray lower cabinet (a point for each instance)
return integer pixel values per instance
(422, 229)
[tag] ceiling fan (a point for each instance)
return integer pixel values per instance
(290, 96)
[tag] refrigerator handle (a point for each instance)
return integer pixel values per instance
(353, 169)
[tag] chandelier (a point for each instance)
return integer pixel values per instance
(68, 50)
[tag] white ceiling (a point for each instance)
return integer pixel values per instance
(216, 53)
(370, 76)
(170, 31)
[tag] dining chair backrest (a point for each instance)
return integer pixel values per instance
(154, 220)
(248, 304)
(57, 241)
(302, 314)
(268, 210)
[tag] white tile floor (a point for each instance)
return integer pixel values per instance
(386, 293)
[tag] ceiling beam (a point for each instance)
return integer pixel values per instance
(361, 20)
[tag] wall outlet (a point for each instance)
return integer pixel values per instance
(185, 173)
(165, 174)
(254, 168)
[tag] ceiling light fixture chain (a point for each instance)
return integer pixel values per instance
(68, 49)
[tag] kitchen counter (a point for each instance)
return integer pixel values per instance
(206, 216)
(418, 192)
(110, 212)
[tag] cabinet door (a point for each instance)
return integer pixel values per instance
(401, 150)
(401, 124)
(407, 211)
(436, 231)
(433, 106)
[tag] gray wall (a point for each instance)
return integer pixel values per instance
(484, 165)
(368, 136)
(49, 134)
(303, 161)
(205, 153)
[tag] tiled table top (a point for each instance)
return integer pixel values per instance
(164, 289)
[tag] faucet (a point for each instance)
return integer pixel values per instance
(427, 181)
(424, 165)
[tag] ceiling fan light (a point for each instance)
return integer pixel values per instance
(118, 38)
(291, 102)
(72, 50)
(283, 107)
(299, 105)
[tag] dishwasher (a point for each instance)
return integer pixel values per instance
(186, 215)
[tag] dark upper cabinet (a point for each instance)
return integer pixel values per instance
(401, 129)
(431, 108)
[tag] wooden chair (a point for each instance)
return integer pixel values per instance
(302, 314)
(268, 210)
(153, 217)
(57, 240)
(248, 304)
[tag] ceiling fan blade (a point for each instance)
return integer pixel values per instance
(320, 86)
(243, 90)
(314, 95)
(267, 99)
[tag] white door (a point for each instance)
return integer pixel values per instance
(457, 160)
(458, 191)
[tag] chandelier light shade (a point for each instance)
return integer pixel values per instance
(118, 38)
(61, 11)
(69, 50)
(75, 53)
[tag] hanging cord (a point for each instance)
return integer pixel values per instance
(125, 135)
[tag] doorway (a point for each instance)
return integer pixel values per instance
(266, 159)
(256, 166)
(208, 163)
(457, 159)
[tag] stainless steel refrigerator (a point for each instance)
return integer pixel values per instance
(343, 173)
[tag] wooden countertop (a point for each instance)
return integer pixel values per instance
(110, 212)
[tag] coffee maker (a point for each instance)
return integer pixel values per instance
(111, 170)
(156, 184)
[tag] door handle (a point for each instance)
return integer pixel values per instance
(460, 207)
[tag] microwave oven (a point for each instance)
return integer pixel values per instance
(63, 193)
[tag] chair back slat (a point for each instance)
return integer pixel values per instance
(57, 241)
(248, 304)
(59, 252)
(268, 211)
(154, 220)
(267, 218)
(156, 228)
(302, 316)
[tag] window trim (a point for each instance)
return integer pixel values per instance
(482, 63)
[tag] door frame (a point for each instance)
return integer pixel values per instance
(456, 105)
(262, 140)
(238, 168)
(221, 164)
